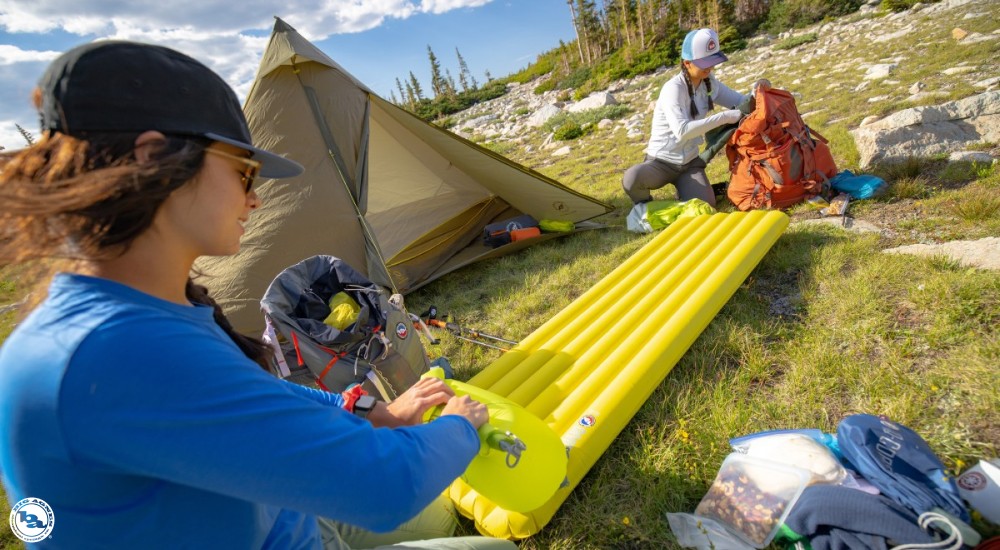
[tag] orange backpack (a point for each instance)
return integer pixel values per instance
(773, 160)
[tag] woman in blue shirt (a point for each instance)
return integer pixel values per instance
(127, 403)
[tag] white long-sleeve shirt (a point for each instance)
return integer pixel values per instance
(676, 136)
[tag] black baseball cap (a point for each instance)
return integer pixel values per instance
(120, 86)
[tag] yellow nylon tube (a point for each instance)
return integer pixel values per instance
(622, 337)
(613, 383)
(501, 367)
(605, 319)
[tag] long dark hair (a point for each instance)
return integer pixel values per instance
(86, 198)
(708, 87)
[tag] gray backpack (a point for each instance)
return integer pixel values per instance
(380, 350)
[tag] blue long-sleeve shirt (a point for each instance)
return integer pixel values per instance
(143, 426)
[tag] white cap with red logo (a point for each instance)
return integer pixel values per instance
(701, 47)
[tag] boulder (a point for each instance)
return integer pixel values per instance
(959, 34)
(971, 156)
(561, 152)
(542, 115)
(926, 131)
(880, 70)
(982, 253)
(595, 100)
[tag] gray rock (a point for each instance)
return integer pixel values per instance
(988, 83)
(917, 86)
(958, 70)
(562, 151)
(925, 131)
(604, 123)
(978, 37)
(542, 115)
(595, 100)
(982, 253)
(869, 119)
(971, 156)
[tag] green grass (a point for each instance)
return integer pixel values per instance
(794, 41)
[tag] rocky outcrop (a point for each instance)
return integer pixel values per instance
(595, 100)
(926, 131)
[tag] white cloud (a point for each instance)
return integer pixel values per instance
(229, 37)
(12, 54)
(441, 6)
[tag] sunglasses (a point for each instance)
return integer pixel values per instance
(248, 174)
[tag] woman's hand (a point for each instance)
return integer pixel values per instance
(473, 411)
(763, 81)
(408, 409)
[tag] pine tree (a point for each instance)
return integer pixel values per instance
(418, 92)
(489, 77)
(399, 86)
(411, 102)
(30, 139)
(463, 72)
(438, 84)
(392, 98)
(450, 89)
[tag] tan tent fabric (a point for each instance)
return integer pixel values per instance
(400, 200)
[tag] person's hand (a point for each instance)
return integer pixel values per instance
(408, 409)
(763, 81)
(731, 116)
(473, 411)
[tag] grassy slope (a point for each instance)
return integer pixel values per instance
(826, 326)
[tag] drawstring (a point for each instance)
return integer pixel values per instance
(953, 542)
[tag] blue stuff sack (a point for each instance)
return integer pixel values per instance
(498, 234)
(900, 463)
(858, 187)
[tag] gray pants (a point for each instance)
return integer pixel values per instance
(689, 179)
(431, 529)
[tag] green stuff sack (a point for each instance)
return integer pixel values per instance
(647, 217)
(556, 226)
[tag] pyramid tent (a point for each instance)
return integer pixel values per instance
(400, 200)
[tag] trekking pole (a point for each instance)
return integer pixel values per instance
(474, 333)
(480, 343)
(457, 334)
(418, 323)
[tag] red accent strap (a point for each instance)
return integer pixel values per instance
(330, 364)
(298, 354)
(351, 397)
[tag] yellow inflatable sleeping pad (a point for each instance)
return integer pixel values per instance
(586, 371)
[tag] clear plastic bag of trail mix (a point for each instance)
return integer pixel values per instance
(752, 496)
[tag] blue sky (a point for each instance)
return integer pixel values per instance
(376, 40)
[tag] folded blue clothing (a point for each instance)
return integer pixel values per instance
(832, 517)
(900, 463)
(862, 186)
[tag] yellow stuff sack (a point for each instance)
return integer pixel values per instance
(555, 226)
(343, 311)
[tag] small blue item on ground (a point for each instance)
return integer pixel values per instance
(900, 463)
(861, 186)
